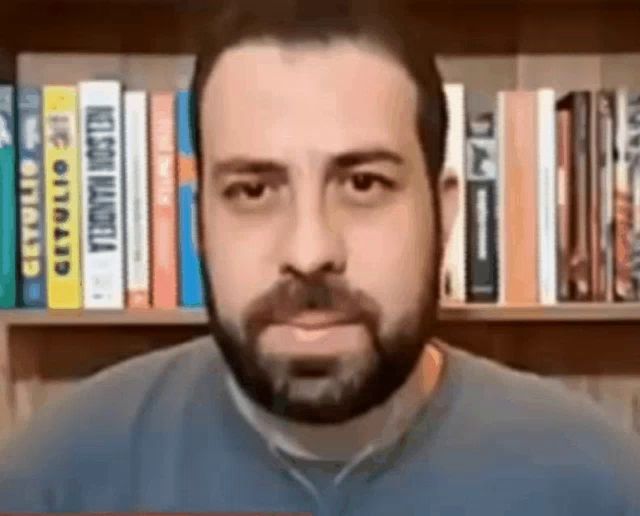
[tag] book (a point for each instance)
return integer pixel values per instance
(137, 198)
(60, 126)
(518, 197)
(580, 203)
(33, 275)
(191, 293)
(8, 251)
(547, 208)
(633, 160)
(164, 290)
(481, 199)
(102, 192)
(564, 181)
(452, 280)
(598, 202)
(602, 199)
(623, 214)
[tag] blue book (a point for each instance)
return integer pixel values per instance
(191, 294)
(32, 287)
(8, 256)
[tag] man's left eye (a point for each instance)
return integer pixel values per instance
(365, 182)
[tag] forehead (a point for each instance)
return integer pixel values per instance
(265, 96)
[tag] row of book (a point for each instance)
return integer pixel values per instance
(97, 198)
(549, 196)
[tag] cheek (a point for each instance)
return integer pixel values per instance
(237, 264)
(391, 259)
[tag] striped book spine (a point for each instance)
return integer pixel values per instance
(33, 276)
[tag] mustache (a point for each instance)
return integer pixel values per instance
(288, 298)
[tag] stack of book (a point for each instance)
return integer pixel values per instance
(97, 198)
(549, 197)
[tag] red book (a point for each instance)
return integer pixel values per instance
(164, 258)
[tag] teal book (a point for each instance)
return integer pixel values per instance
(191, 288)
(8, 258)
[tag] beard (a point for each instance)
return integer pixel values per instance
(348, 386)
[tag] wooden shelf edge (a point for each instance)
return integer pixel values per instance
(448, 313)
(28, 317)
(563, 312)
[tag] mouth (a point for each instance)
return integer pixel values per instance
(318, 320)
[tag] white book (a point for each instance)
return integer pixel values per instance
(453, 277)
(547, 238)
(101, 178)
(137, 202)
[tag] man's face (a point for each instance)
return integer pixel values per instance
(318, 229)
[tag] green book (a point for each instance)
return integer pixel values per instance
(7, 199)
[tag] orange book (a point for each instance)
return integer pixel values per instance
(164, 260)
(519, 197)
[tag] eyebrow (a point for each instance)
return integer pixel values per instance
(348, 159)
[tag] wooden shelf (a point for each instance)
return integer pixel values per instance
(565, 312)
(27, 317)
(452, 313)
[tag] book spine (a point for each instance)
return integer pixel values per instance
(481, 177)
(564, 180)
(633, 158)
(598, 201)
(137, 177)
(33, 275)
(60, 124)
(580, 262)
(453, 282)
(163, 209)
(623, 209)
(608, 190)
(8, 250)
(101, 177)
(602, 199)
(547, 273)
(501, 107)
(520, 198)
(190, 276)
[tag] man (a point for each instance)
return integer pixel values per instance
(321, 135)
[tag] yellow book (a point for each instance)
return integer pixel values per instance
(60, 126)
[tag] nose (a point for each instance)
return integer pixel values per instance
(312, 246)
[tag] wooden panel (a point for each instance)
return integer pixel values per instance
(553, 348)
(46, 361)
(6, 400)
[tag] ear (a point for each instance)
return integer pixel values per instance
(449, 190)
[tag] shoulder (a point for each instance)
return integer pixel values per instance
(535, 422)
(89, 431)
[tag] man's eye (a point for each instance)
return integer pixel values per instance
(364, 184)
(251, 191)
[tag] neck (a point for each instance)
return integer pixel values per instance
(381, 425)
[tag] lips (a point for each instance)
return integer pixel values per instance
(317, 319)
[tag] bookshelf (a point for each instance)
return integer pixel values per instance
(488, 45)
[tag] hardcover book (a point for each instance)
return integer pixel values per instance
(101, 177)
(33, 276)
(163, 201)
(137, 198)
(190, 277)
(8, 256)
(60, 125)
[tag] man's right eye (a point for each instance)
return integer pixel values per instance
(251, 195)
(248, 190)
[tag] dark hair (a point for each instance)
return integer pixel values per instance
(298, 21)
